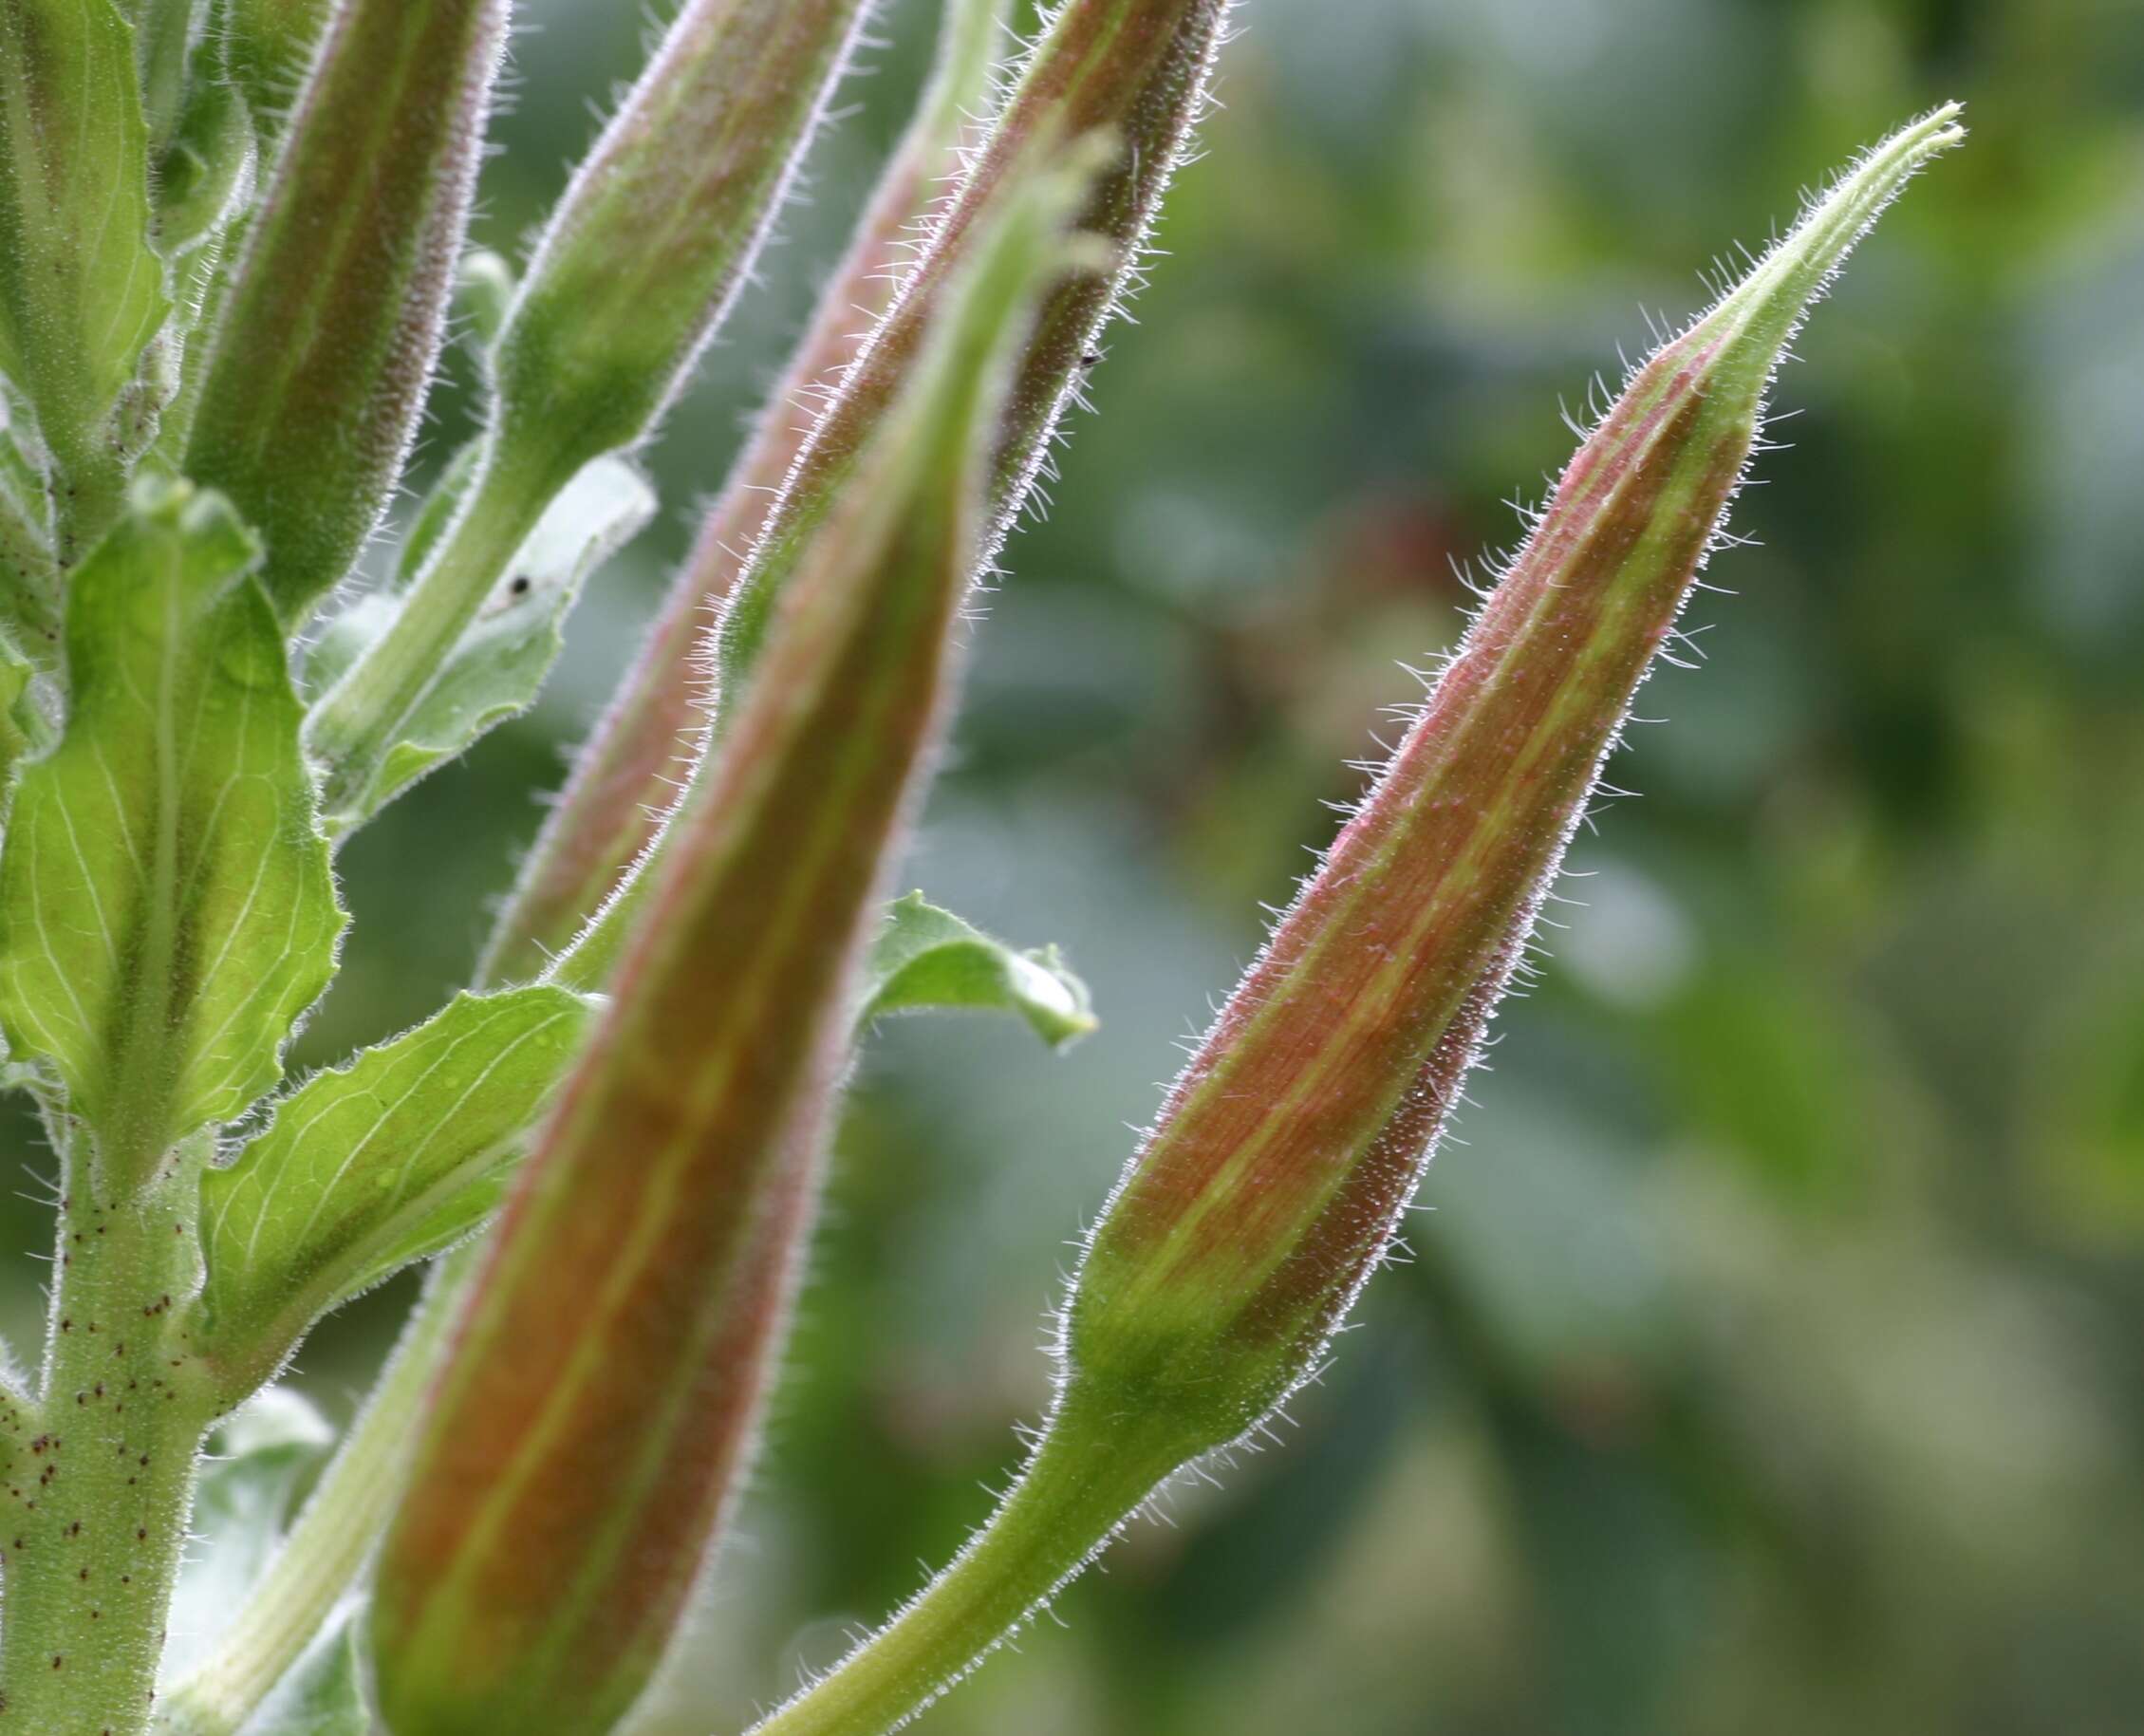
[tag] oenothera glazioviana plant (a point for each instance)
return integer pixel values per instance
(232, 238)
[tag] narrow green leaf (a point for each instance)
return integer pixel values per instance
(323, 348)
(167, 909)
(365, 1170)
(255, 1463)
(928, 958)
(500, 665)
(80, 287)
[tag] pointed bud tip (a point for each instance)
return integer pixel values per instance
(1754, 321)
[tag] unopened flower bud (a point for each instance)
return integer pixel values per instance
(1273, 1180)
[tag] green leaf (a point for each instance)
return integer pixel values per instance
(167, 909)
(929, 957)
(324, 1694)
(498, 666)
(80, 288)
(257, 1461)
(389, 1160)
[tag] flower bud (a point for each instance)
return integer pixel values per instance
(1271, 1185)
(266, 46)
(318, 368)
(81, 292)
(1136, 70)
(633, 274)
(662, 221)
(612, 807)
(592, 1419)
(1130, 73)
(1273, 1182)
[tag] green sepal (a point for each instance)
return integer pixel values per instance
(928, 958)
(498, 666)
(80, 288)
(256, 1461)
(167, 909)
(364, 1169)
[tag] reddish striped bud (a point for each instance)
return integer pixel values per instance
(1137, 70)
(1133, 72)
(1272, 1184)
(633, 274)
(591, 1422)
(612, 807)
(325, 345)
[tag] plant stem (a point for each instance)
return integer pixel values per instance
(356, 727)
(337, 1530)
(1088, 1474)
(104, 1474)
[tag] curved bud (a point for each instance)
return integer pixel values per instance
(318, 368)
(611, 808)
(1273, 1182)
(632, 276)
(590, 1424)
(81, 292)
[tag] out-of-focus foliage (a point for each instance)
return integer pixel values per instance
(1768, 1359)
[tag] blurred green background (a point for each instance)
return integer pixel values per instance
(1769, 1359)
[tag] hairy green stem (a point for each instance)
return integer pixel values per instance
(335, 1534)
(104, 1470)
(1084, 1477)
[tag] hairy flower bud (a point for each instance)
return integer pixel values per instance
(1137, 70)
(593, 1418)
(82, 295)
(325, 348)
(267, 48)
(612, 807)
(654, 236)
(1135, 73)
(1273, 1182)
(1272, 1186)
(633, 274)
